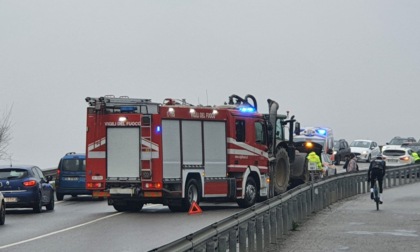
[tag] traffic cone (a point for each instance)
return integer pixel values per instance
(194, 209)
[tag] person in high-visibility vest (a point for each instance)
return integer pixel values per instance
(416, 157)
(314, 158)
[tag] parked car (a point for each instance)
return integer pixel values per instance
(398, 141)
(365, 150)
(2, 209)
(341, 151)
(25, 186)
(71, 176)
(395, 156)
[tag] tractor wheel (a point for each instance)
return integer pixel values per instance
(281, 173)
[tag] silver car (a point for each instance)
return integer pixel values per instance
(365, 150)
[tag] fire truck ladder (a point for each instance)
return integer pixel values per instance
(110, 100)
(146, 123)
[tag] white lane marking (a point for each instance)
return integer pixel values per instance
(406, 233)
(59, 231)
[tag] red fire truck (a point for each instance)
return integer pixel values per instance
(174, 153)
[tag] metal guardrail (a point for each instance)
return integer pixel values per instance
(255, 228)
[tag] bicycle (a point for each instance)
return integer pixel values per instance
(376, 195)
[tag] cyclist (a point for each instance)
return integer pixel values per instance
(376, 171)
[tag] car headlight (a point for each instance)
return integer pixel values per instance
(364, 152)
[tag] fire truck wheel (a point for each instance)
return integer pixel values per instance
(192, 193)
(281, 172)
(250, 196)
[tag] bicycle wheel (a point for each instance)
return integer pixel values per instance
(376, 195)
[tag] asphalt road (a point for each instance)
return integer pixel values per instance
(84, 224)
(354, 224)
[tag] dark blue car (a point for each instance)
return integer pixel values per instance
(25, 186)
(71, 176)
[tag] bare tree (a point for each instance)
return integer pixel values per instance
(5, 132)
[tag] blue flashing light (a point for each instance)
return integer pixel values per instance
(321, 132)
(247, 109)
(158, 129)
(128, 109)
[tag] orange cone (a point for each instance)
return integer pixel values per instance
(194, 209)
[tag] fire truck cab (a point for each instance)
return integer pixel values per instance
(174, 153)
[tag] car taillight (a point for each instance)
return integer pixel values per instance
(30, 183)
(404, 158)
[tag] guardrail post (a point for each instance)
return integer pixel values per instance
(394, 176)
(211, 245)
(399, 178)
(364, 184)
(306, 200)
(273, 225)
(259, 230)
(295, 209)
(327, 195)
(223, 244)
(242, 237)
(290, 214)
(279, 215)
(200, 249)
(267, 230)
(300, 207)
(285, 217)
(251, 235)
(232, 239)
(410, 172)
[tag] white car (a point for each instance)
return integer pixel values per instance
(365, 150)
(2, 209)
(398, 141)
(395, 156)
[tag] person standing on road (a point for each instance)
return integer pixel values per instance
(352, 165)
(314, 158)
(346, 162)
(376, 171)
(415, 157)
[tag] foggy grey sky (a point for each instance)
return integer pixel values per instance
(353, 66)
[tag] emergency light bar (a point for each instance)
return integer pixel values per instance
(321, 132)
(247, 109)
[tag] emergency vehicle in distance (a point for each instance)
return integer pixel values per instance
(174, 153)
(320, 135)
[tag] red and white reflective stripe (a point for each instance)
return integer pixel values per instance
(245, 149)
(246, 166)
